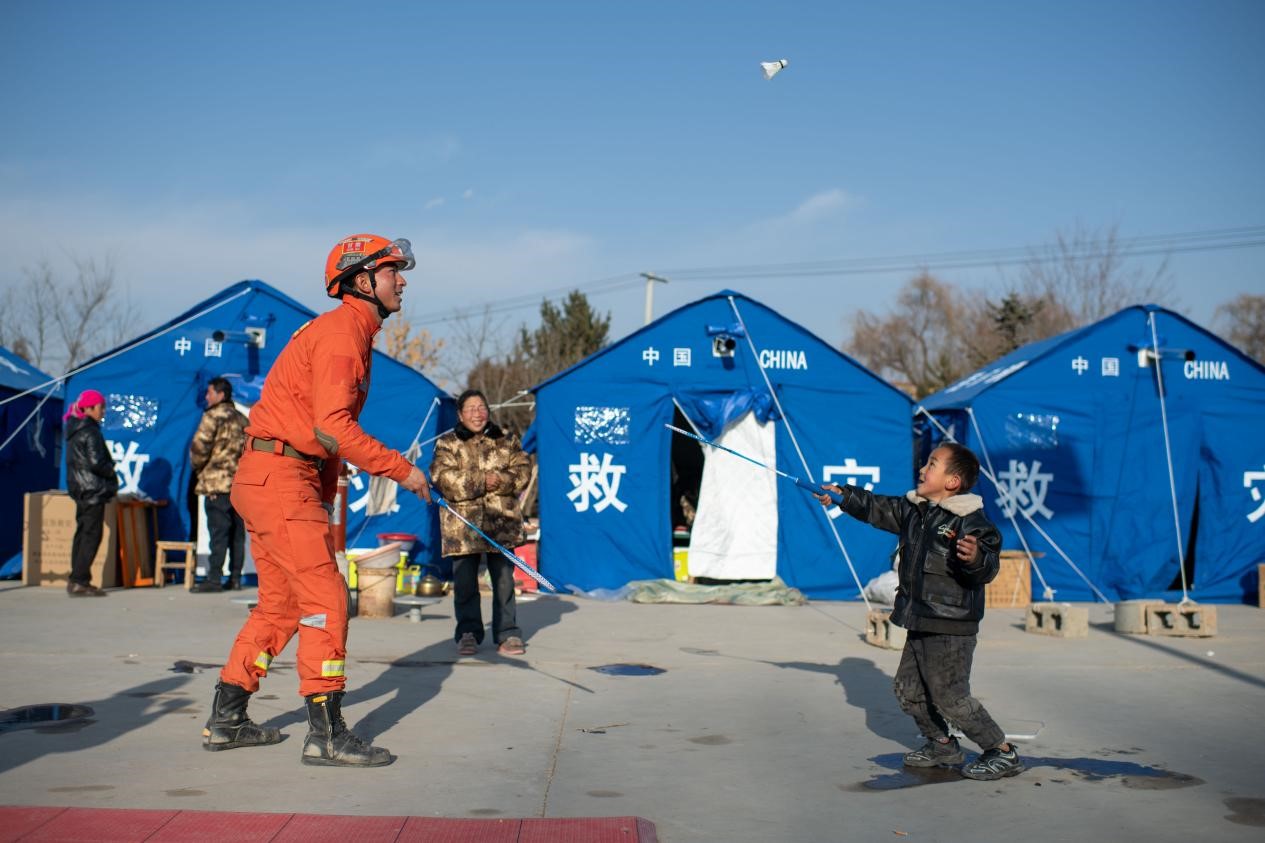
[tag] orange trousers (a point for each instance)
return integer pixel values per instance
(300, 587)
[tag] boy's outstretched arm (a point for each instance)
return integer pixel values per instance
(881, 511)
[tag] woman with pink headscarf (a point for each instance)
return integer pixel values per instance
(92, 483)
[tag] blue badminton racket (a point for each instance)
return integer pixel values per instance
(812, 488)
(438, 499)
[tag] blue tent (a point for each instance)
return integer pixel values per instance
(30, 432)
(1083, 450)
(605, 454)
(155, 386)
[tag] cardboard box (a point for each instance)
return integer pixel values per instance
(48, 532)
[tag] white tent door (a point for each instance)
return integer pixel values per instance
(734, 536)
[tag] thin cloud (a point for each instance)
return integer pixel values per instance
(431, 204)
(815, 209)
(168, 262)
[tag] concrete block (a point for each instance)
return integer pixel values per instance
(881, 632)
(1188, 620)
(1131, 615)
(1060, 620)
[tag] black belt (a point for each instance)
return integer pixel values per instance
(276, 446)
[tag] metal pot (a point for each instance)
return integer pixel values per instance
(430, 586)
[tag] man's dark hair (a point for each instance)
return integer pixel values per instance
(963, 463)
(222, 386)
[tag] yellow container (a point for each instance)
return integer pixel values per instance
(680, 563)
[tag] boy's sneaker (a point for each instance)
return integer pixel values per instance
(994, 764)
(936, 754)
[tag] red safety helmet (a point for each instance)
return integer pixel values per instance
(361, 252)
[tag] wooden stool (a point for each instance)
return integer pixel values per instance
(161, 564)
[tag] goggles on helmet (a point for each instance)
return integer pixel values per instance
(398, 250)
(351, 262)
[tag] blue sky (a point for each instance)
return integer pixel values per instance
(531, 147)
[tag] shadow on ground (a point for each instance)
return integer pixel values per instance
(112, 717)
(1052, 770)
(411, 681)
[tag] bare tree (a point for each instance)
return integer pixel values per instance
(474, 336)
(480, 355)
(1242, 321)
(919, 345)
(57, 324)
(1084, 276)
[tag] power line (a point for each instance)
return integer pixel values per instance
(1242, 237)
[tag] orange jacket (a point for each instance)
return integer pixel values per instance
(315, 391)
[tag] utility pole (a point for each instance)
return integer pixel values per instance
(651, 278)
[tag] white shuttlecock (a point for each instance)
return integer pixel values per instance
(772, 68)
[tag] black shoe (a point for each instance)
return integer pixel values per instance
(76, 589)
(229, 726)
(330, 743)
(233, 585)
(994, 764)
(936, 754)
(207, 587)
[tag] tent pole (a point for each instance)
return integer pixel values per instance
(434, 402)
(807, 471)
(1168, 453)
(1046, 591)
(26, 420)
(996, 484)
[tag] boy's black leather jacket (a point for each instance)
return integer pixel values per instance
(937, 592)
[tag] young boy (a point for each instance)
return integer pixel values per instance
(948, 552)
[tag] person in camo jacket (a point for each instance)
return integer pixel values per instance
(217, 448)
(481, 470)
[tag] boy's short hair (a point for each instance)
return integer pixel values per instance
(962, 463)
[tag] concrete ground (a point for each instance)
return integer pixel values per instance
(766, 724)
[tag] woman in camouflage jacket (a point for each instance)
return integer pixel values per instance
(481, 470)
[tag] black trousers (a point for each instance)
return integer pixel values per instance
(933, 685)
(466, 602)
(89, 525)
(228, 535)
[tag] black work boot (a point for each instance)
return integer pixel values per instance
(330, 743)
(229, 726)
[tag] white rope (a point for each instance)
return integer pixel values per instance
(808, 472)
(29, 416)
(1046, 591)
(126, 348)
(997, 485)
(1168, 454)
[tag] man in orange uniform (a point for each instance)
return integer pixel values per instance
(303, 426)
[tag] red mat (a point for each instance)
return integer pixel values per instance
(105, 825)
